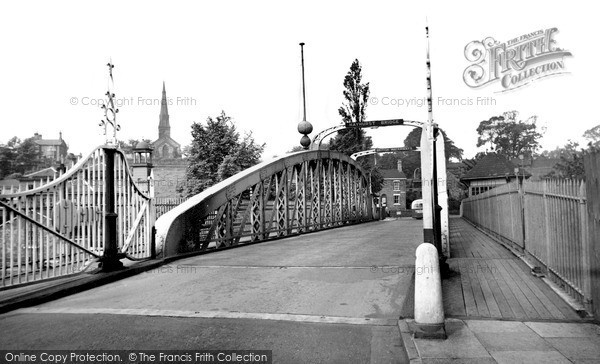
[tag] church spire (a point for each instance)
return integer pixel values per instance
(164, 128)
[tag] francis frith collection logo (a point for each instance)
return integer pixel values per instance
(516, 62)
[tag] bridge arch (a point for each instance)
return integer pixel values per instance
(319, 137)
(293, 194)
(435, 220)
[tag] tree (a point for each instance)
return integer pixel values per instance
(28, 156)
(451, 151)
(7, 157)
(509, 137)
(593, 136)
(412, 160)
(20, 157)
(353, 110)
(128, 146)
(571, 161)
(217, 152)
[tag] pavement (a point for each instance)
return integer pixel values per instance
(494, 341)
(512, 336)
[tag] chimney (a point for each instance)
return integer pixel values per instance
(399, 165)
(60, 135)
(37, 136)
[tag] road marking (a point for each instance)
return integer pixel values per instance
(216, 314)
(285, 266)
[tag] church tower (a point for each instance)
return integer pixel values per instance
(165, 147)
(164, 128)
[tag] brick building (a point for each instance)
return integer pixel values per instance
(53, 149)
(394, 189)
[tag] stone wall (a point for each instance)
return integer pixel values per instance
(168, 175)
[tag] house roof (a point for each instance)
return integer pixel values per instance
(542, 166)
(469, 163)
(50, 141)
(9, 182)
(165, 140)
(492, 166)
(46, 172)
(392, 173)
(455, 165)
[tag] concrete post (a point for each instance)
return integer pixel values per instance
(429, 308)
(442, 194)
(427, 182)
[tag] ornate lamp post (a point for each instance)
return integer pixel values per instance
(304, 127)
(110, 111)
(111, 259)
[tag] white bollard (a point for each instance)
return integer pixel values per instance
(429, 306)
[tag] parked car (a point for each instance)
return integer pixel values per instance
(417, 209)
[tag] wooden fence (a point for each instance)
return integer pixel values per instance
(592, 175)
(548, 221)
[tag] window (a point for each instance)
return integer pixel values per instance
(396, 185)
(396, 199)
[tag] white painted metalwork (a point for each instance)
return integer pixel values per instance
(296, 193)
(363, 153)
(59, 227)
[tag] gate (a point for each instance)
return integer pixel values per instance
(62, 227)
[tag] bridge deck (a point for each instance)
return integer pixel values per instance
(330, 296)
(494, 283)
(334, 295)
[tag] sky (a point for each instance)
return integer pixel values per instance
(243, 57)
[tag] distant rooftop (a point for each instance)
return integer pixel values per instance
(392, 173)
(46, 172)
(492, 166)
(49, 142)
(39, 141)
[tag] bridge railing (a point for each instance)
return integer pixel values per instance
(547, 220)
(166, 204)
(60, 227)
(293, 194)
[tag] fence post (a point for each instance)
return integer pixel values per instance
(585, 248)
(547, 222)
(111, 258)
(152, 215)
(522, 205)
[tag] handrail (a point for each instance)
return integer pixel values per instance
(68, 174)
(135, 185)
(318, 139)
(73, 170)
